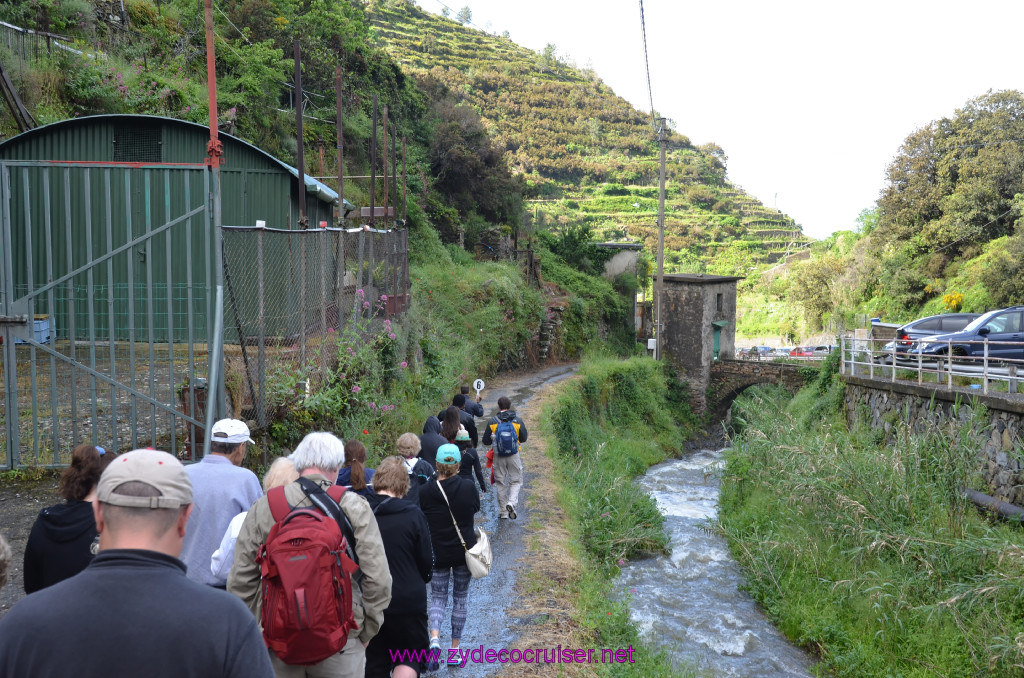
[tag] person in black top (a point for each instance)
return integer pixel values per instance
(63, 539)
(406, 536)
(470, 460)
(465, 418)
(472, 406)
(136, 591)
(443, 498)
(418, 470)
(430, 440)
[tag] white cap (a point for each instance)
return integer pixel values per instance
(231, 431)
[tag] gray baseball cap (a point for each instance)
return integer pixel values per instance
(155, 468)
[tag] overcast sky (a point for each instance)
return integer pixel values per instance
(810, 100)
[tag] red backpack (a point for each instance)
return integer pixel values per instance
(307, 567)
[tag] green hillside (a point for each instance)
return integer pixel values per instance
(588, 156)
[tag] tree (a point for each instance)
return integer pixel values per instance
(464, 16)
(1004, 276)
(445, 12)
(547, 59)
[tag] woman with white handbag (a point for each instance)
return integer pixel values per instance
(450, 502)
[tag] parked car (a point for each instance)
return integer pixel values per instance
(782, 351)
(1003, 325)
(907, 335)
(927, 327)
(802, 352)
(821, 351)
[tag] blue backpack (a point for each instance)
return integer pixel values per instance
(506, 439)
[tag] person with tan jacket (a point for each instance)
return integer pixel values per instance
(319, 457)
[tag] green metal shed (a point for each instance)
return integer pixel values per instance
(86, 186)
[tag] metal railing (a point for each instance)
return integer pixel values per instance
(990, 371)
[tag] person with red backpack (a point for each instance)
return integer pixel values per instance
(506, 432)
(310, 564)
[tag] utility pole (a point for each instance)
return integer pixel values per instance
(660, 281)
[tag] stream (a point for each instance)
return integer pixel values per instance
(689, 603)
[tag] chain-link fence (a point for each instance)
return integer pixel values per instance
(289, 294)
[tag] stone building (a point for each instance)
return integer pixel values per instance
(698, 313)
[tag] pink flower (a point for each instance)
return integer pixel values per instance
(403, 364)
(391, 336)
(330, 330)
(355, 389)
(366, 304)
(373, 405)
(621, 562)
(383, 297)
(360, 293)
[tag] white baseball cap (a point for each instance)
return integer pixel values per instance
(231, 431)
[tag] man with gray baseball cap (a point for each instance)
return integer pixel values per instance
(132, 611)
(221, 489)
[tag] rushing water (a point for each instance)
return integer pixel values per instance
(689, 602)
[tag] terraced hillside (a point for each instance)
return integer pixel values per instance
(589, 156)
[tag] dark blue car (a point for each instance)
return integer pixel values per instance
(1004, 325)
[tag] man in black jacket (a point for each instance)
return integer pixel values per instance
(136, 591)
(472, 406)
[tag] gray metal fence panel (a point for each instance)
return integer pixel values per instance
(104, 339)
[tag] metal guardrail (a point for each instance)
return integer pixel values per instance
(870, 358)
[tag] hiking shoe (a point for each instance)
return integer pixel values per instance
(455, 660)
(511, 511)
(435, 654)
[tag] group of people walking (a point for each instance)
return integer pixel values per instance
(328, 561)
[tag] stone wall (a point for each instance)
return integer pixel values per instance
(1000, 449)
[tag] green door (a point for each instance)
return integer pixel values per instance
(718, 341)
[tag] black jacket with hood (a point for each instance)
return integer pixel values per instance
(431, 440)
(60, 545)
(406, 537)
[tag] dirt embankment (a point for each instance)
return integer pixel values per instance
(20, 502)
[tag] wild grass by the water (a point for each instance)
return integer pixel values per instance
(867, 552)
(617, 418)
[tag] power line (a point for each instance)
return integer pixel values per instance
(647, 63)
(975, 231)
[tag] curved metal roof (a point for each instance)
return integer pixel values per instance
(318, 188)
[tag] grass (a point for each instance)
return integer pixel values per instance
(602, 428)
(865, 551)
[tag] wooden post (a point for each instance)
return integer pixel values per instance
(373, 165)
(405, 182)
(303, 221)
(341, 145)
(387, 196)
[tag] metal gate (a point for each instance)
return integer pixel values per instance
(107, 297)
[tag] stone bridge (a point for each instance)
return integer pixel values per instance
(729, 378)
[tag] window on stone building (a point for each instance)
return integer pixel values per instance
(718, 301)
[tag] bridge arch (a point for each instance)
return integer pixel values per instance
(729, 378)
